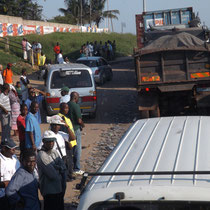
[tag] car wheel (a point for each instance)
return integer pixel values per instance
(92, 115)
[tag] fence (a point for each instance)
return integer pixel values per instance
(16, 26)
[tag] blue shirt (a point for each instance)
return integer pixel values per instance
(38, 99)
(32, 125)
(23, 185)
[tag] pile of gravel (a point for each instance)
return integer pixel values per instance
(184, 40)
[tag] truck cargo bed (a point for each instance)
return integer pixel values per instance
(163, 67)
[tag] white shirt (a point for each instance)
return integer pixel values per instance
(28, 46)
(1, 79)
(65, 99)
(60, 59)
(61, 138)
(8, 167)
(5, 102)
(39, 46)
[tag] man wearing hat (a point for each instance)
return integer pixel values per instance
(65, 97)
(7, 74)
(62, 138)
(8, 166)
(52, 173)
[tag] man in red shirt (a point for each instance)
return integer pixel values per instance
(57, 50)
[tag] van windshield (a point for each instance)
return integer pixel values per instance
(71, 79)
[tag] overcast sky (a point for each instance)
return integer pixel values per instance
(128, 9)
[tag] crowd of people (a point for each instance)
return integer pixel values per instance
(47, 161)
(33, 52)
(106, 50)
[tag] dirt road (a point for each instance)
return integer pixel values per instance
(116, 111)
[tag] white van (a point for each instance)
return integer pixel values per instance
(159, 164)
(78, 78)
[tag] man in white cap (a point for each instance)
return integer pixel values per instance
(52, 173)
(8, 166)
(62, 138)
(65, 97)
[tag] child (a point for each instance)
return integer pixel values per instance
(18, 90)
(21, 126)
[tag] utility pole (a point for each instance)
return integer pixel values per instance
(144, 5)
(81, 12)
(90, 11)
(108, 10)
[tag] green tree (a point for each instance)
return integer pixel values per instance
(98, 14)
(86, 11)
(27, 9)
(76, 10)
(111, 14)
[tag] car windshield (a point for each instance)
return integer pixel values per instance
(89, 63)
(71, 79)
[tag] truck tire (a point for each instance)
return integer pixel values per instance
(144, 114)
(155, 113)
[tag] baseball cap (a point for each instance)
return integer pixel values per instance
(56, 119)
(8, 143)
(49, 136)
(65, 88)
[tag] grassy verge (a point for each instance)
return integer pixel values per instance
(70, 44)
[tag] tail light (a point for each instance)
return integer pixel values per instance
(89, 98)
(147, 89)
(52, 100)
(97, 72)
(150, 79)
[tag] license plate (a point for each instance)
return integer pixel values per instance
(203, 89)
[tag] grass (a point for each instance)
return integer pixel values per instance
(70, 44)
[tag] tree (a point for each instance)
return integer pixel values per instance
(77, 10)
(111, 14)
(98, 13)
(27, 9)
(86, 11)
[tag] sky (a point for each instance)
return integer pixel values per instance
(128, 9)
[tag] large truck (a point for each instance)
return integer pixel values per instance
(172, 62)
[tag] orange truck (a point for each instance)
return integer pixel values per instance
(172, 62)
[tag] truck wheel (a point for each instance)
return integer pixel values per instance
(155, 113)
(144, 114)
(92, 115)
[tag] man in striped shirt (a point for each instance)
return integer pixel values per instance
(5, 112)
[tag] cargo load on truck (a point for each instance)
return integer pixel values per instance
(181, 40)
